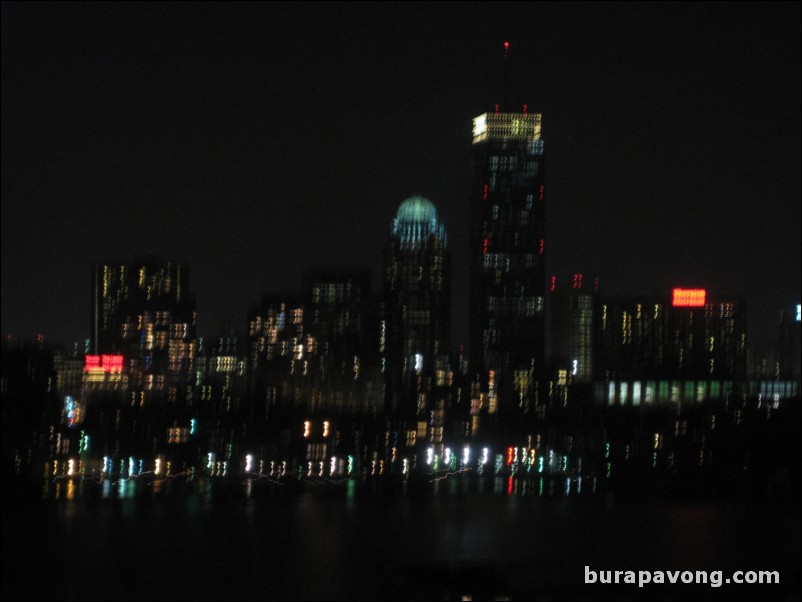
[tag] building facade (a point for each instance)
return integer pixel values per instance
(507, 253)
(415, 326)
(574, 308)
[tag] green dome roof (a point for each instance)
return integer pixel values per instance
(416, 209)
(416, 221)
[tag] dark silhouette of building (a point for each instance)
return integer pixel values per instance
(574, 308)
(507, 252)
(789, 344)
(416, 326)
(655, 349)
(139, 380)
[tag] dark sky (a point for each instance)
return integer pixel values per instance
(255, 141)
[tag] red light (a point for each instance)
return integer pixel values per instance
(542, 245)
(540, 193)
(112, 363)
(688, 297)
(596, 283)
(577, 280)
(506, 45)
(106, 363)
(510, 485)
(484, 192)
(496, 108)
(484, 247)
(510, 452)
(553, 283)
(525, 108)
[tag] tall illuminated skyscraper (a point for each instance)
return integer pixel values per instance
(507, 251)
(417, 303)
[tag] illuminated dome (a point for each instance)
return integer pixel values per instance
(416, 221)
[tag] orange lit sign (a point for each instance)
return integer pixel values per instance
(688, 297)
(103, 363)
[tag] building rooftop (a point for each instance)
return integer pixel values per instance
(416, 220)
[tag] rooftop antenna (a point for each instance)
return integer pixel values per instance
(506, 97)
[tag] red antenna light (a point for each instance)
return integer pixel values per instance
(506, 49)
(525, 108)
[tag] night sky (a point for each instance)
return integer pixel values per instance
(257, 141)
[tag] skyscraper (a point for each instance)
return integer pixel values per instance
(417, 303)
(507, 247)
(573, 309)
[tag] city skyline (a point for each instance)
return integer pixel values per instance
(241, 150)
(400, 300)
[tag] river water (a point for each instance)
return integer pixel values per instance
(350, 540)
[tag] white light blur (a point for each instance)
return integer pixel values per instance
(485, 455)
(466, 455)
(158, 468)
(429, 456)
(248, 463)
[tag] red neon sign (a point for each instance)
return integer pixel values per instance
(688, 297)
(104, 363)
